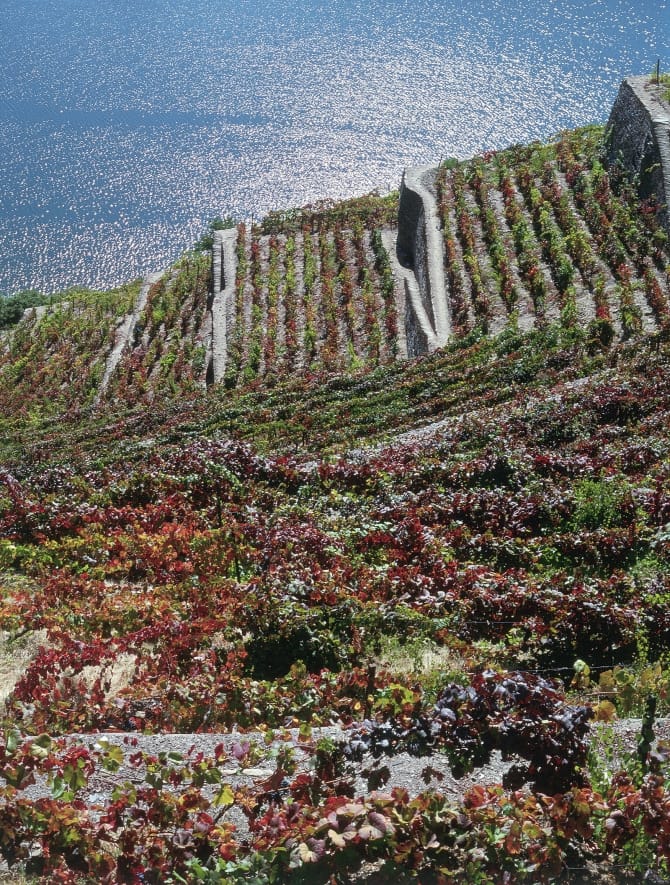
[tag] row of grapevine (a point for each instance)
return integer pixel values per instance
(311, 301)
(544, 232)
(54, 360)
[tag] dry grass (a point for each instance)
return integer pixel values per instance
(17, 649)
(420, 658)
(15, 655)
(116, 677)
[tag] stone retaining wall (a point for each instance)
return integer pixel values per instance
(639, 138)
(224, 265)
(416, 335)
(420, 247)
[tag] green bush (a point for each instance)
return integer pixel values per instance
(13, 306)
(206, 241)
(601, 503)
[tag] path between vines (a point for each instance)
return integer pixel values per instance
(412, 773)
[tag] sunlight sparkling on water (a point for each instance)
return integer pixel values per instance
(125, 127)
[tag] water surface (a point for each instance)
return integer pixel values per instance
(124, 125)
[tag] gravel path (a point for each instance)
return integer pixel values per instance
(405, 771)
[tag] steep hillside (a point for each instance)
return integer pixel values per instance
(462, 559)
(535, 235)
(546, 233)
(187, 583)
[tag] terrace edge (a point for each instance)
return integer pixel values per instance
(638, 136)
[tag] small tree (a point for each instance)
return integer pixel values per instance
(206, 241)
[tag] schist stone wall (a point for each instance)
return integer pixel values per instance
(222, 302)
(639, 137)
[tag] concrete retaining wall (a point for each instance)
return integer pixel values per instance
(417, 335)
(639, 138)
(224, 268)
(420, 247)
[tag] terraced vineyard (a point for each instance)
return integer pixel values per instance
(55, 358)
(166, 340)
(340, 565)
(313, 294)
(544, 233)
(532, 235)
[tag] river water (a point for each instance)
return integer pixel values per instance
(126, 124)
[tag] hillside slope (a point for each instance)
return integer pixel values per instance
(461, 555)
(532, 236)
